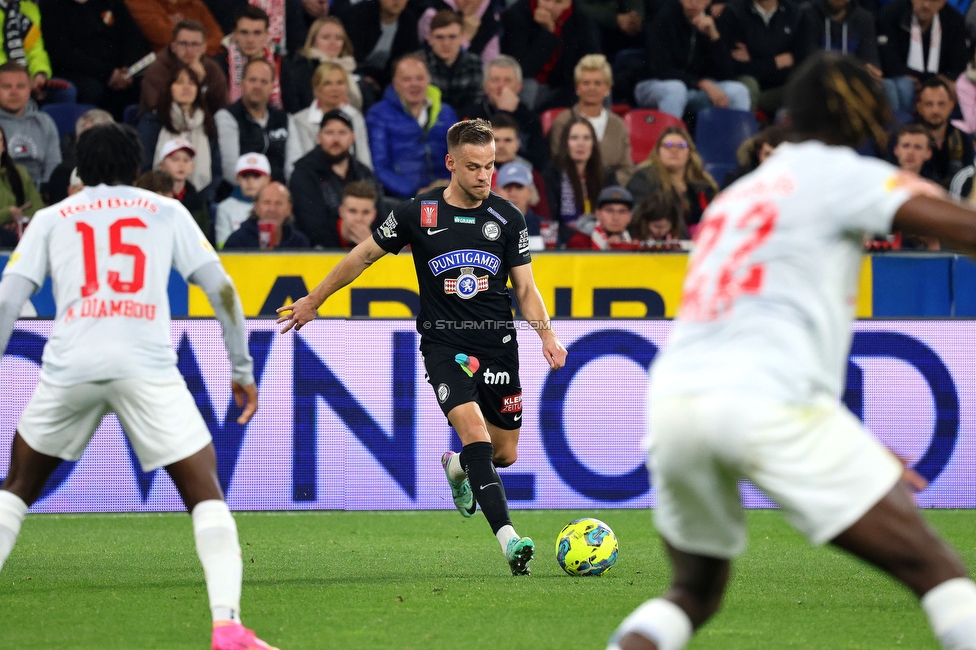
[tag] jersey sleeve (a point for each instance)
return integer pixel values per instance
(191, 250)
(868, 197)
(30, 259)
(517, 244)
(395, 231)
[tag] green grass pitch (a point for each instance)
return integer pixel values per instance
(430, 580)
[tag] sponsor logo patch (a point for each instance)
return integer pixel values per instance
(428, 214)
(495, 214)
(463, 258)
(468, 364)
(470, 221)
(497, 377)
(523, 244)
(388, 227)
(512, 404)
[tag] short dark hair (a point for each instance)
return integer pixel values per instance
(914, 129)
(156, 180)
(933, 83)
(252, 13)
(445, 18)
(477, 132)
(360, 190)
(412, 56)
(109, 154)
(259, 59)
(13, 66)
(504, 121)
(189, 26)
(835, 99)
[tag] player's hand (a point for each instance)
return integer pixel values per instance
(554, 352)
(247, 399)
(302, 311)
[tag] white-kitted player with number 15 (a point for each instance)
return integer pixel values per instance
(109, 250)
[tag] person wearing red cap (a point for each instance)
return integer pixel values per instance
(177, 157)
(253, 175)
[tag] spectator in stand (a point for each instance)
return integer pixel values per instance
(503, 83)
(251, 40)
(321, 175)
(594, 80)
(458, 74)
(614, 212)
(658, 219)
(59, 184)
(22, 42)
(32, 137)
(176, 157)
(270, 225)
(156, 19)
(312, 10)
(575, 177)
(327, 42)
(331, 85)
(966, 97)
(253, 174)
(251, 124)
(408, 130)
(620, 23)
(953, 148)
(506, 131)
(845, 27)
(479, 30)
(548, 38)
(917, 40)
(768, 39)
(675, 166)
(514, 182)
(688, 63)
(754, 151)
(181, 113)
(287, 26)
(913, 148)
(381, 31)
(357, 212)
(19, 198)
(156, 181)
(92, 44)
(188, 47)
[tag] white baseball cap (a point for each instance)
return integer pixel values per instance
(172, 146)
(253, 162)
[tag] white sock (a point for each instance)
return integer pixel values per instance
(220, 553)
(951, 608)
(506, 534)
(454, 468)
(12, 512)
(659, 620)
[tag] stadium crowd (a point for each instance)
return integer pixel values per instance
(310, 106)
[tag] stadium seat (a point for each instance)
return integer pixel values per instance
(620, 109)
(131, 114)
(548, 117)
(65, 115)
(645, 126)
(720, 131)
(719, 171)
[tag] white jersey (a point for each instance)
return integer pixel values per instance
(772, 283)
(109, 251)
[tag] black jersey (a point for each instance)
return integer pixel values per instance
(462, 257)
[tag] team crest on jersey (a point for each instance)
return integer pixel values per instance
(491, 230)
(443, 392)
(388, 228)
(467, 285)
(428, 214)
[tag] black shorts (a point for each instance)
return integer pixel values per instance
(494, 383)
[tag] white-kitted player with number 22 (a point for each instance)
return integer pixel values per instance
(109, 250)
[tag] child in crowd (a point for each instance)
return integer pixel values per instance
(177, 158)
(253, 174)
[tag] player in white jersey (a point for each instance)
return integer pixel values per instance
(109, 250)
(749, 385)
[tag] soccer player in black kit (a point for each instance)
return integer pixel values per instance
(466, 244)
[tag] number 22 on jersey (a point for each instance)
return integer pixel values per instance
(116, 247)
(711, 289)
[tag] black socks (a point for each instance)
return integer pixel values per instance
(476, 459)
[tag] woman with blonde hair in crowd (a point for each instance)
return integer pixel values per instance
(575, 177)
(330, 85)
(327, 42)
(675, 166)
(594, 80)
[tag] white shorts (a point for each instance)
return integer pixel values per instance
(816, 461)
(160, 418)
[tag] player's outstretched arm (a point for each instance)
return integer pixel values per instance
(351, 267)
(14, 292)
(226, 304)
(534, 310)
(952, 223)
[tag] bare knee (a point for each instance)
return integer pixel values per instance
(505, 457)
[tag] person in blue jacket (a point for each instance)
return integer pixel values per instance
(408, 130)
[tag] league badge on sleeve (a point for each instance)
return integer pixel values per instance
(428, 214)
